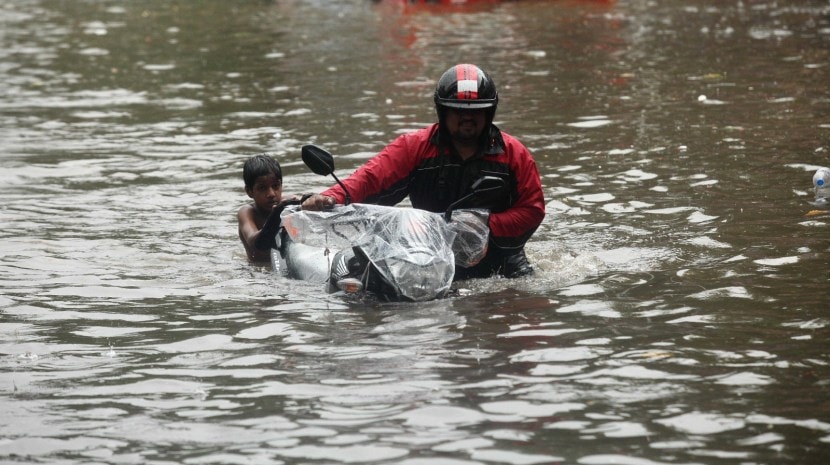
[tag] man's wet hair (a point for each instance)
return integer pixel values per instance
(260, 165)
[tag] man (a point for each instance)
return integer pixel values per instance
(436, 166)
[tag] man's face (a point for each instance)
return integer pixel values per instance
(465, 125)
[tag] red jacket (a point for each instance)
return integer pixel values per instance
(413, 165)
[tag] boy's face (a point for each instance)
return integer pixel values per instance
(267, 192)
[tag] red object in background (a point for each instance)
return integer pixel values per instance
(462, 2)
(456, 5)
(446, 2)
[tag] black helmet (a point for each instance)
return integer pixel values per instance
(466, 86)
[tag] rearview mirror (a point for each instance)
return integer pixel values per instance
(318, 160)
(482, 185)
(321, 162)
(487, 184)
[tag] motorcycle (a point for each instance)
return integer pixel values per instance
(392, 253)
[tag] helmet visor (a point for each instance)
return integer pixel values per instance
(467, 103)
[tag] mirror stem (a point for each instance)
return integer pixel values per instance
(342, 186)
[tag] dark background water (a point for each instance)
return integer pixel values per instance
(679, 310)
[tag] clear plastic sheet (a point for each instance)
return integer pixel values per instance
(414, 250)
(472, 233)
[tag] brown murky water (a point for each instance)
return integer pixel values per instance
(679, 311)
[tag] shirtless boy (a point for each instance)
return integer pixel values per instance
(260, 220)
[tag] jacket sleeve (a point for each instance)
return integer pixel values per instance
(392, 164)
(512, 227)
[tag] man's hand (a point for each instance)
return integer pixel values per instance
(318, 202)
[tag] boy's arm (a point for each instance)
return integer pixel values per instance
(249, 233)
(259, 241)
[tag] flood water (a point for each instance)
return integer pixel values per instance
(679, 313)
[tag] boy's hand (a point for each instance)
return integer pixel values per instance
(267, 235)
(318, 202)
(293, 199)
